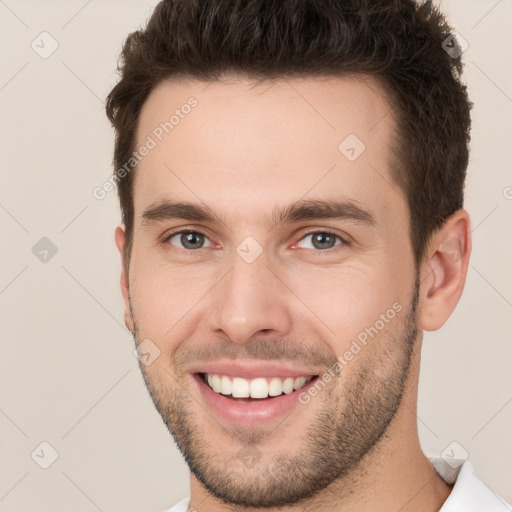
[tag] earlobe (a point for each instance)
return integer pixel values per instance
(120, 237)
(444, 271)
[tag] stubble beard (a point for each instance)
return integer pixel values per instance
(353, 416)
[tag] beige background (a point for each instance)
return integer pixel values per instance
(68, 375)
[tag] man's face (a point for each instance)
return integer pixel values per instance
(270, 286)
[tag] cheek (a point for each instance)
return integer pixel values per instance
(348, 303)
(165, 297)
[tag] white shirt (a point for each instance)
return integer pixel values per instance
(469, 494)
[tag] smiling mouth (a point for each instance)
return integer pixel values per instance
(257, 389)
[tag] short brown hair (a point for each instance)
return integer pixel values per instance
(399, 42)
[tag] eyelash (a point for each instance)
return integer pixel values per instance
(344, 242)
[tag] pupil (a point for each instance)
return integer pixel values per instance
(192, 240)
(323, 241)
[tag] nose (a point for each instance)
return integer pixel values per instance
(250, 299)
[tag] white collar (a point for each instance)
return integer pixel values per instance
(469, 493)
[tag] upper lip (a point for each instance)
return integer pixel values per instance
(252, 370)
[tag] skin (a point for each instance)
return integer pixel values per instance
(243, 150)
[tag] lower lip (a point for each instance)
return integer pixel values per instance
(253, 413)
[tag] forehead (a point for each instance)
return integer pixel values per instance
(242, 147)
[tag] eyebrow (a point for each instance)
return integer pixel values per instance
(322, 210)
(300, 211)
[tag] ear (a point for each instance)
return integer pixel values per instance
(444, 270)
(120, 237)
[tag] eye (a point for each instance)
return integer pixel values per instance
(188, 240)
(320, 240)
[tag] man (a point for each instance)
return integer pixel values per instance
(291, 182)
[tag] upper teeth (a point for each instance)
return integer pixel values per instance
(260, 387)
